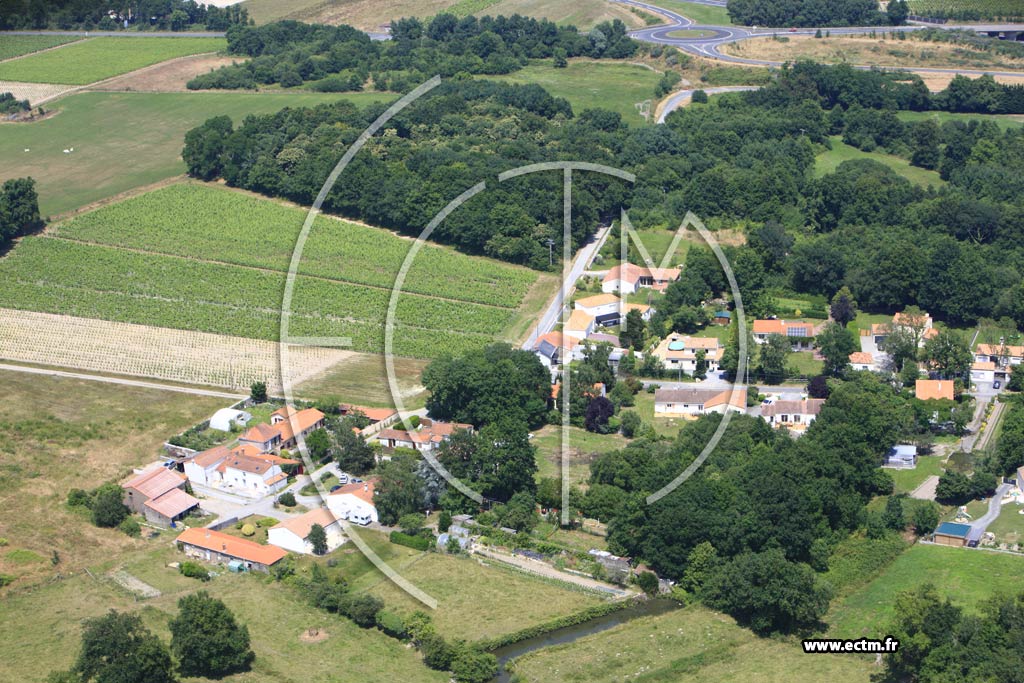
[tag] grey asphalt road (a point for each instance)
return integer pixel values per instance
(582, 261)
(709, 46)
(676, 100)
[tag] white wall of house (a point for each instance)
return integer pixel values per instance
(290, 541)
(204, 476)
(616, 286)
(343, 506)
(250, 481)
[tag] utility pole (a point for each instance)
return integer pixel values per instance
(551, 253)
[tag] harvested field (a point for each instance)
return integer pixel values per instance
(173, 355)
(166, 77)
(35, 92)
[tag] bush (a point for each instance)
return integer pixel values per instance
(248, 530)
(411, 523)
(392, 624)
(266, 522)
(79, 498)
(361, 609)
(648, 582)
(107, 508)
(473, 666)
(444, 521)
(193, 570)
(130, 527)
(287, 499)
(414, 542)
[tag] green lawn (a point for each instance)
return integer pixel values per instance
(940, 117)
(15, 46)
(41, 628)
(691, 33)
(966, 576)
(666, 426)
(829, 160)
(583, 446)
(96, 59)
(1009, 526)
(125, 140)
(688, 645)
(908, 480)
(710, 15)
(804, 363)
(593, 85)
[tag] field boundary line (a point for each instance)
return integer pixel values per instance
(118, 380)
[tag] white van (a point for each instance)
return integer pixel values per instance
(360, 517)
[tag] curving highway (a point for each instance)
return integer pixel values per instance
(710, 45)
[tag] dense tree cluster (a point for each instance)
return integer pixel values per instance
(9, 104)
(168, 15)
(810, 13)
(341, 58)
(811, 492)
(19, 210)
(939, 641)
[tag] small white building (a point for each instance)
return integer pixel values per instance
(983, 371)
(862, 360)
(202, 467)
(252, 476)
(225, 418)
(679, 352)
(354, 503)
(628, 278)
(696, 402)
(293, 534)
(794, 415)
(580, 325)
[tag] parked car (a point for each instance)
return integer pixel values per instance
(356, 480)
(996, 384)
(343, 478)
(335, 488)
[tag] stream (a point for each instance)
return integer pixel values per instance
(647, 608)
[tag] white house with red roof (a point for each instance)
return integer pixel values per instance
(285, 424)
(799, 334)
(354, 502)
(629, 278)
(863, 360)
(679, 352)
(428, 436)
(697, 401)
(251, 476)
(553, 349)
(793, 414)
(293, 534)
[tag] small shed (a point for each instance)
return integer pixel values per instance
(236, 566)
(224, 417)
(902, 456)
(442, 541)
(952, 533)
(722, 318)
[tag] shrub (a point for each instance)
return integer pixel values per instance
(194, 570)
(361, 609)
(130, 527)
(648, 582)
(248, 530)
(6, 580)
(444, 521)
(411, 523)
(79, 498)
(391, 624)
(414, 542)
(287, 499)
(107, 508)
(266, 522)
(473, 666)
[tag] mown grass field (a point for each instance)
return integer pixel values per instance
(591, 84)
(125, 140)
(584, 446)
(16, 46)
(42, 627)
(63, 433)
(689, 645)
(966, 576)
(829, 160)
(908, 480)
(373, 14)
(710, 15)
(184, 257)
(95, 59)
(1006, 122)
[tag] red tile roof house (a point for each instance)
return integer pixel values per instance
(280, 433)
(800, 334)
(209, 467)
(158, 495)
(795, 415)
(252, 476)
(383, 416)
(696, 402)
(628, 278)
(293, 534)
(354, 502)
(427, 437)
(220, 548)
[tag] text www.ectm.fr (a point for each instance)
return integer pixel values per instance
(829, 645)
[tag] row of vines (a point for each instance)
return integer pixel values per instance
(969, 10)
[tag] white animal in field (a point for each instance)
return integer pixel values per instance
(67, 151)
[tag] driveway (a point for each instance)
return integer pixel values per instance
(995, 504)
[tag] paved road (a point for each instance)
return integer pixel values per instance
(710, 45)
(121, 381)
(676, 100)
(582, 261)
(994, 506)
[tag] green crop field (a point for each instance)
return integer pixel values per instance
(203, 258)
(126, 140)
(95, 59)
(593, 85)
(829, 161)
(689, 645)
(709, 15)
(968, 9)
(966, 576)
(16, 46)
